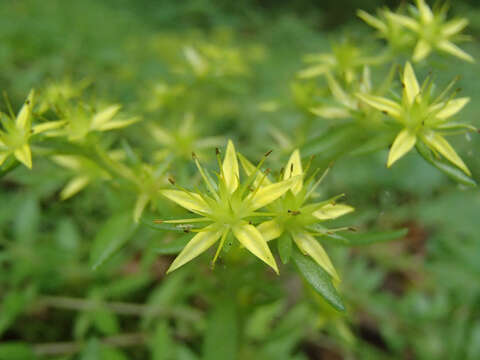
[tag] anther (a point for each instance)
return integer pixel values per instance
(171, 180)
(250, 222)
(352, 228)
(158, 221)
(194, 156)
(384, 112)
(217, 151)
(268, 153)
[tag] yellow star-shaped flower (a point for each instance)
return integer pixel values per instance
(422, 118)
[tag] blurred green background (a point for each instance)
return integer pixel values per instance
(418, 298)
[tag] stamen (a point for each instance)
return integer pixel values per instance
(208, 181)
(220, 246)
(318, 182)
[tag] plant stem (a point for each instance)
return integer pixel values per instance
(70, 303)
(69, 348)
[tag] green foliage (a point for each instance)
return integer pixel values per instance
(127, 92)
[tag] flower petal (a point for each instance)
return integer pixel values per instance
(186, 199)
(140, 204)
(422, 49)
(403, 20)
(24, 116)
(438, 143)
(104, 116)
(383, 104)
(425, 11)
(74, 186)
(412, 89)
(332, 211)
(3, 157)
(252, 239)
(118, 124)
(230, 167)
(269, 193)
(24, 155)
(197, 245)
(309, 245)
(270, 230)
(454, 27)
(51, 125)
(452, 107)
(372, 21)
(313, 71)
(454, 50)
(249, 168)
(294, 168)
(402, 144)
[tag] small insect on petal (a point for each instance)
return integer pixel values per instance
(252, 239)
(270, 230)
(197, 245)
(188, 200)
(403, 143)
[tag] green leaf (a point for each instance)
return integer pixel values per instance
(221, 336)
(111, 237)
(446, 167)
(318, 279)
(12, 305)
(284, 244)
(372, 237)
(161, 344)
(16, 351)
(173, 247)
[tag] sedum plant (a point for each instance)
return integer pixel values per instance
(423, 118)
(137, 217)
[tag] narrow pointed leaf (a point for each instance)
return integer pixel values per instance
(444, 166)
(318, 278)
(372, 237)
(114, 233)
(74, 186)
